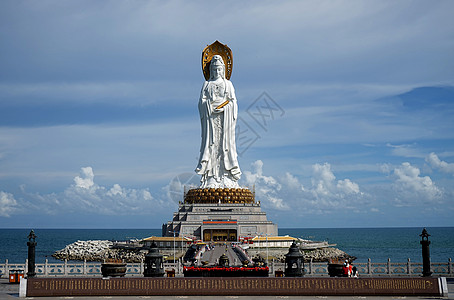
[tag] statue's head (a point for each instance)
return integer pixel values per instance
(217, 67)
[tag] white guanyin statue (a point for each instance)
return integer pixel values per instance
(218, 108)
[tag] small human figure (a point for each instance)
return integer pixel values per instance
(346, 269)
(354, 272)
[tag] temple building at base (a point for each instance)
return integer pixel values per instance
(219, 215)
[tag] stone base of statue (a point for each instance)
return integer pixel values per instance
(221, 214)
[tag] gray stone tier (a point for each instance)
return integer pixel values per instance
(219, 222)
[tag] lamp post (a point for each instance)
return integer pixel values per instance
(266, 243)
(31, 254)
(181, 244)
(174, 251)
(174, 247)
(267, 256)
(425, 253)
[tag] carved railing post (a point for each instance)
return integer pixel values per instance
(310, 266)
(449, 266)
(369, 267)
(408, 266)
(6, 267)
(141, 266)
(46, 271)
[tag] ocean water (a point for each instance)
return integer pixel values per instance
(378, 244)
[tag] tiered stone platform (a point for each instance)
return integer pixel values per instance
(221, 214)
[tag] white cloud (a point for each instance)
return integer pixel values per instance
(405, 150)
(346, 186)
(85, 196)
(436, 163)
(267, 188)
(325, 193)
(115, 190)
(325, 186)
(292, 182)
(86, 179)
(7, 204)
(413, 188)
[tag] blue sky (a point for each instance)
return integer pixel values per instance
(345, 110)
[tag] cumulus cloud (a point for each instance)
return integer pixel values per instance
(411, 187)
(7, 204)
(292, 182)
(85, 196)
(325, 193)
(433, 160)
(267, 188)
(347, 187)
(324, 183)
(86, 179)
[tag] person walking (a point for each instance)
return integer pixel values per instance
(347, 269)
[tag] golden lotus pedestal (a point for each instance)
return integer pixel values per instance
(219, 195)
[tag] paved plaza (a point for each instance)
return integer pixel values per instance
(212, 256)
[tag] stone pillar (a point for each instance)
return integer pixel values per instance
(31, 254)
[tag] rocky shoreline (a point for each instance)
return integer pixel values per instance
(97, 250)
(100, 250)
(316, 255)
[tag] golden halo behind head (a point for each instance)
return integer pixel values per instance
(219, 49)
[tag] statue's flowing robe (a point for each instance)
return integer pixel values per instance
(225, 163)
